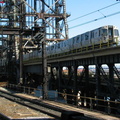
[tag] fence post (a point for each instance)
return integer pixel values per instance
(109, 107)
(29, 90)
(91, 104)
(24, 89)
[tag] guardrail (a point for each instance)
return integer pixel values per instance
(107, 106)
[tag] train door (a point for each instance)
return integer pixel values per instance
(96, 39)
(110, 34)
(61, 46)
(104, 35)
(77, 42)
(82, 40)
(116, 36)
(58, 47)
(65, 46)
(69, 44)
(85, 39)
(52, 49)
(48, 50)
(92, 37)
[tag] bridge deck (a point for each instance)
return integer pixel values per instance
(77, 55)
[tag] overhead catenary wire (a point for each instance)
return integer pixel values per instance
(94, 12)
(95, 19)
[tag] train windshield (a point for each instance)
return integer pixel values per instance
(116, 32)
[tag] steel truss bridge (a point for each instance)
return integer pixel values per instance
(102, 84)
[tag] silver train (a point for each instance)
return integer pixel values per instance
(105, 34)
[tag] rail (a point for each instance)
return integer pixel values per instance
(104, 105)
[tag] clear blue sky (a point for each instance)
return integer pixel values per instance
(79, 8)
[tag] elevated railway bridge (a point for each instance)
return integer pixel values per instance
(101, 84)
(21, 21)
(15, 25)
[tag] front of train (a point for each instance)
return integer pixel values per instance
(110, 35)
(116, 38)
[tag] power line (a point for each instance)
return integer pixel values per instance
(93, 12)
(96, 19)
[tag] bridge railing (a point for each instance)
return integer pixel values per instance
(104, 105)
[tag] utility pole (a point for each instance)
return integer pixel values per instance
(21, 59)
(44, 58)
(39, 39)
(65, 18)
(20, 44)
(45, 72)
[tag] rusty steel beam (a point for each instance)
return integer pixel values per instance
(15, 31)
(9, 32)
(55, 39)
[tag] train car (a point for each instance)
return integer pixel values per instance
(77, 43)
(58, 47)
(105, 34)
(53, 49)
(85, 39)
(108, 34)
(62, 47)
(97, 36)
(48, 50)
(66, 46)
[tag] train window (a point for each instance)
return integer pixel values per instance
(65, 44)
(61, 44)
(86, 36)
(99, 32)
(116, 33)
(92, 34)
(58, 45)
(52, 47)
(110, 32)
(73, 40)
(55, 46)
(82, 37)
(104, 32)
(77, 40)
(47, 48)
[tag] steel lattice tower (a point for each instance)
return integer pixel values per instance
(50, 14)
(22, 20)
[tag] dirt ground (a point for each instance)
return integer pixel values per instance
(17, 111)
(3, 84)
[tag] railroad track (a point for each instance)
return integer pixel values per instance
(33, 104)
(38, 105)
